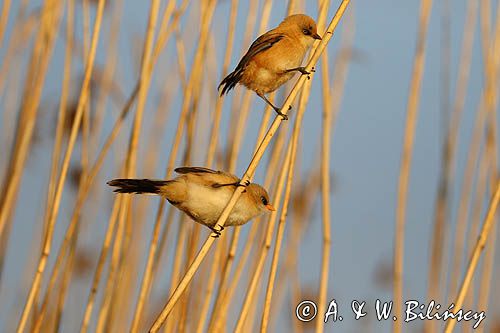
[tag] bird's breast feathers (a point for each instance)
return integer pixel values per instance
(205, 205)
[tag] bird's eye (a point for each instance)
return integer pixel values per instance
(306, 32)
(264, 201)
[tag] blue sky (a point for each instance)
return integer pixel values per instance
(365, 149)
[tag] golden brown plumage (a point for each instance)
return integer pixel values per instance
(274, 57)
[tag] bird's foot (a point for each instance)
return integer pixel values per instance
(245, 183)
(302, 70)
(284, 116)
(216, 233)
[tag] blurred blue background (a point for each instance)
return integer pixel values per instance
(365, 150)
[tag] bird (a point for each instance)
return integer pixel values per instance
(274, 58)
(203, 194)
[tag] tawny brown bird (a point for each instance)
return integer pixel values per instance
(203, 194)
(274, 58)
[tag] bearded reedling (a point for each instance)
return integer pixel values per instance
(274, 57)
(203, 194)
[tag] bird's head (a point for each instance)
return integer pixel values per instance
(303, 27)
(259, 198)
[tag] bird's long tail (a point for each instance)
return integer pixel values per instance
(138, 186)
(230, 81)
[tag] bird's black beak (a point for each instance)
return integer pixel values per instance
(316, 36)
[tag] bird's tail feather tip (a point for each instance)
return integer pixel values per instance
(137, 185)
(229, 82)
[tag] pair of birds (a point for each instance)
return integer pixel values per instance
(202, 193)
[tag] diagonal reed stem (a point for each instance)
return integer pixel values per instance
(249, 172)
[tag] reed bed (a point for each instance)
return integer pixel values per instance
(92, 90)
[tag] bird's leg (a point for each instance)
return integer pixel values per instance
(244, 184)
(301, 69)
(278, 110)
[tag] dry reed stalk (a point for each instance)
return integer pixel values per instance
(325, 194)
(248, 174)
(412, 110)
(165, 33)
(188, 93)
(325, 181)
(281, 225)
(476, 253)
(62, 111)
(238, 131)
(214, 137)
(323, 7)
(36, 74)
(63, 289)
(158, 248)
(58, 141)
(162, 40)
(477, 209)
(491, 87)
(295, 237)
(57, 195)
(208, 11)
(460, 92)
(143, 84)
(225, 294)
(439, 236)
(189, 89)
(206, 298)
(466, 192)
(158, 128)
(4, 17)
(100, 263)
(176, 266)
(83, 190)
(131, 160)
(84, 166)
(104, 323)
(42, 51)
(11, 72)
(292, 4)
(270, 168)
(240, 109)
(22, 30)
(105, 82)
(161, 246)
(283, 176)
(210, 285)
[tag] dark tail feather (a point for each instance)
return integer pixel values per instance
(137, 185)
(230, 81)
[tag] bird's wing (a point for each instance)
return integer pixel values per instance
(210, 177)
(261, 44)
(185, 170)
